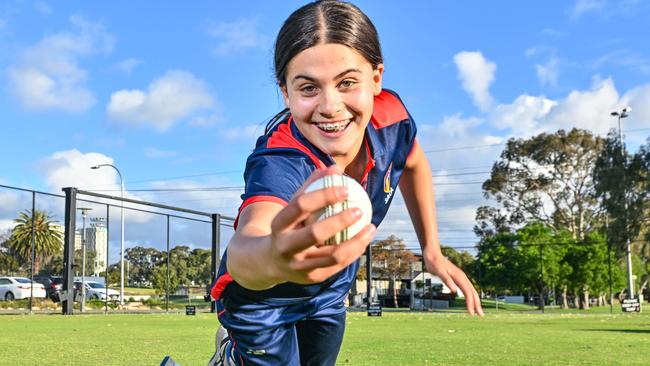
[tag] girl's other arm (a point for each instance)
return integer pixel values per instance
(416, 185)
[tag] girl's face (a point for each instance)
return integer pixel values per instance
(330, 90)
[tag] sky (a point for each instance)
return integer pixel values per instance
(175, 95)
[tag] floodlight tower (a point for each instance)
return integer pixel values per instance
(630, 282)
(121, 228)
(84, 214)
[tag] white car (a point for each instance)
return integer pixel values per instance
(16, 288)
(97, 291)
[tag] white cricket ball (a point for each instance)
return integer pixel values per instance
(357, 197)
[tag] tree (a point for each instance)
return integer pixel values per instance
(497, 263)
(199, 264)
(547, 178)
(8, 262)
(392, 260)
(463, 260)
(48, 241)
(623, 185)
(159, 280)
(142, 261)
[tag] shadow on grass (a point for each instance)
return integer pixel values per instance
(633, 331)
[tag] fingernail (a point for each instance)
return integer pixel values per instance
(356, 212)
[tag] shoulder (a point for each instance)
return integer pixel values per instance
(388, 109)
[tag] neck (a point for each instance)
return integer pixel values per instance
(354, 164)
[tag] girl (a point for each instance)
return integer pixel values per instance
(280, 292)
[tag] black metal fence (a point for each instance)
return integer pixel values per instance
(90, 252)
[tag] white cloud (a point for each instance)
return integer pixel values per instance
(127, 66)
(71, 168)
(250, 132)
(477, 74)
(523, 115)
(588, 109)
(624, 58)
(457, 126)
(6, 225)
(548, 72)
(238, 36)
(170, 98)
(47, 75)
(586, 6)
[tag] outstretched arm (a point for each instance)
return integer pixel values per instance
(416, 185)
(273, 244)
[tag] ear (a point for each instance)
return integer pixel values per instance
(285, 93)
(377, 75)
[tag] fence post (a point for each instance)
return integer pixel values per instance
(216, 250)
(33, 242)
(368, 276)
(168, 255)
(67, 300)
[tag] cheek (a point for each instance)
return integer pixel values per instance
(301, 108)
(362, 102)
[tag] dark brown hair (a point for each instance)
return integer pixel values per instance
(325, 21)
(319, 22)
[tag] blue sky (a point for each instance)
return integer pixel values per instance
(170, 90)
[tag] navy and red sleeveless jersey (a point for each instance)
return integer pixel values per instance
(282, 161)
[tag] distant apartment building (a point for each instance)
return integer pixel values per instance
(96, 241)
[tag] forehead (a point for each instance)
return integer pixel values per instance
(325, 61)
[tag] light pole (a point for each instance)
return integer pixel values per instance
(630, 283)
(121, 229)
(84, 214)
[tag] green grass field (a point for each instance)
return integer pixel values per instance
(397, 338)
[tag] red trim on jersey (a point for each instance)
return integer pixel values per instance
(369, 165)
(260, 198)
(221, 284)
(388, 110)
(282, 137)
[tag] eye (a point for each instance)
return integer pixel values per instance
(347, 83)
(308, 89)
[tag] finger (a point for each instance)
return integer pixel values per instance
(320, 231)
(336, 257)
(447, 280)
(319, 173)
(304, 204)
(467, 289)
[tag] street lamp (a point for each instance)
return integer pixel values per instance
(84, 214)
(121, 228)
(630, 283)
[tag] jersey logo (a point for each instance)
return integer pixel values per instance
(387, 186)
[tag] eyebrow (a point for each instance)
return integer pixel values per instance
(309, 78)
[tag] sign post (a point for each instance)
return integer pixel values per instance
(374, 309)
(631, 305)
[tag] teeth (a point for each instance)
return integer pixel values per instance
(333, 127)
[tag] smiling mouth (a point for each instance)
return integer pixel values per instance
(333, 126)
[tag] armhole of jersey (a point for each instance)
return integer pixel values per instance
(260, 198)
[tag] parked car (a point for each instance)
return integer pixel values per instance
(97, 291)
(16, 288)
(53, 284)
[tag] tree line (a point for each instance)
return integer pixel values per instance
(562, 204)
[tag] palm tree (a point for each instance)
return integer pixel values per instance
(48, 241)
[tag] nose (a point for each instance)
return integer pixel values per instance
(330, 103)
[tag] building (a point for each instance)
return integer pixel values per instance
(96, 241)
